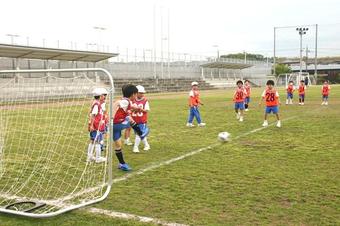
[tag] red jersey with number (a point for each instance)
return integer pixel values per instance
(290, 89)
(247, 88)
(301, 89)
(240, 95)
(140, 117)
(99, 122)
(325, 90)
(124, 109)
(271, 96)
(194, 98)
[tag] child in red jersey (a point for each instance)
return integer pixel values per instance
(290, 90)
(248, 90)
(239, 97)
(302, 92)
(194, 102)
(97, 125)
(271, 96)
(325, 92)
(141, 117)
(122, 119)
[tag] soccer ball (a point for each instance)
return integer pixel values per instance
(223, 136)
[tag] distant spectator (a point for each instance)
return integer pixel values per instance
(306, 81)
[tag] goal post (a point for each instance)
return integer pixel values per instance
(44, 170)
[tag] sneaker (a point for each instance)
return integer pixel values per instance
(190, 125)
(278, 124)
(128, 142)
(147, 148)
(326, 103)
(202, 124)
(246, 109)
(90, 158)
(287, 102)
(241, 119)
(265, 124)
(302, 103)
(100, 159)
(237, 116)
(124, 167)
(135, 150)
(322, 103)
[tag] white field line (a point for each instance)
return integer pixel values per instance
(126, 216)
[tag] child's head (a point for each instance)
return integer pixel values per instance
(194, 85)
(246, 82)
(291, 83)
(239, 83)
(129, 91)
(325, 82)
(302, 82)
(99, 94)
(141, 91)
(270, 84)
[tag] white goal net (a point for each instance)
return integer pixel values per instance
(44, 140)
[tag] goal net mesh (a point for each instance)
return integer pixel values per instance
(44, 139)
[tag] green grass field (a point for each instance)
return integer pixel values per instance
(275, 176)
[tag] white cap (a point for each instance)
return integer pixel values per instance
(194, 84)
(99, 91)
(141, 89)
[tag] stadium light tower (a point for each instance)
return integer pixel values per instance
(302, 31)
(218, 52)
(99, 38)
(12, 36)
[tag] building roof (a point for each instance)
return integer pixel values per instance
(225, 65)
(27, 52)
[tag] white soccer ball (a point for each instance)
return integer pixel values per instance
(223, 136)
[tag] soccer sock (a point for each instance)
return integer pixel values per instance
(89, 150)
(98, 150)
(137, 141)
(136, 129)
(145, 142)
(246, 106)
(119, 155)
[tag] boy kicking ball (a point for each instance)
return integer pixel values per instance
(271, 96)
(239, 97)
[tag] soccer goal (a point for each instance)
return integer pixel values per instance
(44, 139)
(284, 79)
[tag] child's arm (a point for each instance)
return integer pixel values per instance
(262, 97)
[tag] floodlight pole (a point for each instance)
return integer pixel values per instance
(274, 60)
(302, 31)
(316, 51)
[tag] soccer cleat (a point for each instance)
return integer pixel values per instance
(278, 124)
(147, 148)
(124, 167)
(100, 159)
(265, 123)
(128, 142)
(326, 103)
(302, 103)
(190, 125)
(202, 124)
(241, 119)
(246, 109)
(135, 150)
(287, 102)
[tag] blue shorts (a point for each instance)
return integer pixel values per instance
(247, 100)
(144, 128)
(302, 96)
(117, 129)
(274, 109)
(325, 97)
(289, 95)
(239, 105)
(95, 137)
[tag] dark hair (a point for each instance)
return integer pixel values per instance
(270, 82)
(246, 80)
(302, 81)
(129, 90)
(291, 82)
(96, 97)
(239, 82)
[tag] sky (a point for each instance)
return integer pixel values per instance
(196, 27)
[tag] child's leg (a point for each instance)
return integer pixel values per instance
(127, 134)
(265, 116)
(118, 150)
(277, 116)
(197, 115)
(145, 142)
(137, 142)
(90, 150)
(191, 115)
